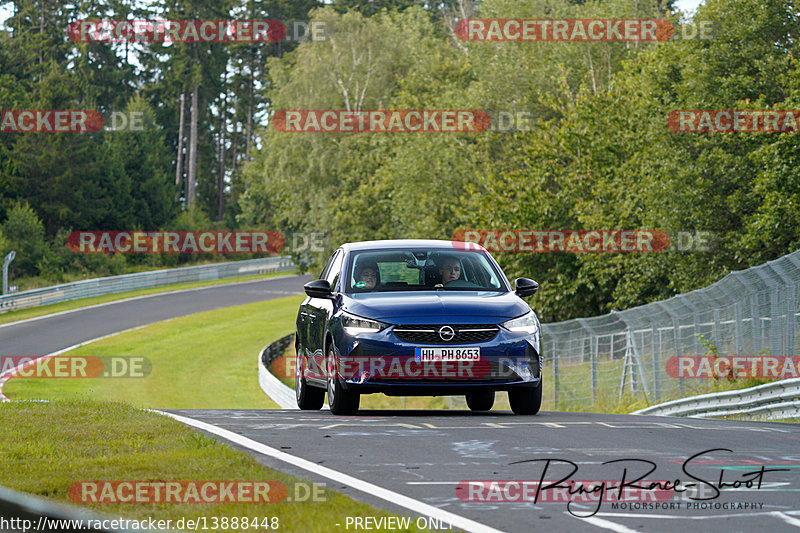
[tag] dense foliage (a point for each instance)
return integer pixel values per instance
(594, 153)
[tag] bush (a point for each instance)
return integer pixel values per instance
(24, 233)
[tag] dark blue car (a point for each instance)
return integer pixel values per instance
(417, 317)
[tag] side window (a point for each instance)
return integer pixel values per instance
(333, 273)
(327, 268)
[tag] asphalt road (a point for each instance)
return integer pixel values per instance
(48, 334)
(425, 455)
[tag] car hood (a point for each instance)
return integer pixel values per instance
(435, 305)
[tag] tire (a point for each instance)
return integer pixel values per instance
(526, 401)
(341, 402)
(308, 398)
(480, 401)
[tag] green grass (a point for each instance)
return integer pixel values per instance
(22, 314)
(90, 431)
(46, 447)
(201, 361)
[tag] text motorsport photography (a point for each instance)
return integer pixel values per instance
(633, 488)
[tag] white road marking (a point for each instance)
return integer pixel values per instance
(607, 524)
(786, 518)
(390, 496)
(376, 424)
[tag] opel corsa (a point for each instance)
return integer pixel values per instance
(417, 318)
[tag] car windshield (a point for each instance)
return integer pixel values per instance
(422, 270)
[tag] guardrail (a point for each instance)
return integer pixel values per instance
(777, 400)
(141, 280)
(276, 349)
(24, 512)
(273, 387)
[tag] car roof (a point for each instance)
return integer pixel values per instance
(394, 244)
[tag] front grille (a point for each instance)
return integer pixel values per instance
(433, 372)
(429, 334)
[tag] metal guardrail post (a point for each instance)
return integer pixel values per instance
(737, 327)
(632, 358)
(656, 369)
(555, 373)
(593, 354)
(593, 347)
(676, 335)
(755, 315)
(695, 313)
(6, 262)
(774, 310)
(791, 305)
(736, 299)
(794, 311)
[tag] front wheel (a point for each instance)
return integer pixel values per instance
(526, 401)
(480, 401)
(341, 402)
(308, 398)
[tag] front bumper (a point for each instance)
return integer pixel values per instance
(381, 362)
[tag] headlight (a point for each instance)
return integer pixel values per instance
(355, 325)
(526, 323)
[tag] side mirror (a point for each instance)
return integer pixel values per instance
(525, 287)
(319, 288)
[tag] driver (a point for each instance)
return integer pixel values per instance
(449, 270)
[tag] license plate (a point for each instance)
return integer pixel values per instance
(447, 354)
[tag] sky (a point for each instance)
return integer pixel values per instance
(688, 5)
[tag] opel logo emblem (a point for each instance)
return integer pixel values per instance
(446, 333)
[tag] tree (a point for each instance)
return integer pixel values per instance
(294, 176)
(24, 233)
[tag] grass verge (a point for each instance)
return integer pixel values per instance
(46, 447)
(202, 361)
(22, 314)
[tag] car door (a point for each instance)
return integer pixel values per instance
(301, 327)
(318, 312)
(305, 334)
